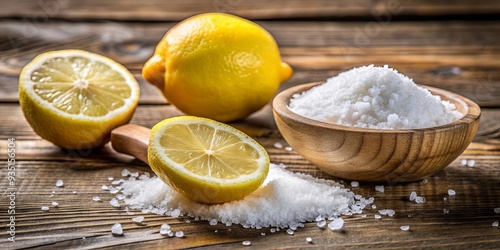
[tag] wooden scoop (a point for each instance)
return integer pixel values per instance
(131, 139)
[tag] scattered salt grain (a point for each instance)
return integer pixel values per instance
(96, 198)
(451, 192)
(497, 210)
(59, 183)
(380, 188)
(374, 206)
(165, 230)
(272, 230)
(135, 174)
(120, 196)
(413, 195)
(138, 219)
(321, 223)
(55, 204)
(424, 181)
(114, 202)
(288, 148)
(285, 200)
(374, 97)
(336, 224)
(117, 182)
(117, 230)
(114, 190)
(110, 178)
(494, 224)
(45, 208)
(246, 243)
(212, 222)
(309, 240)
(354, 184)
(405, 228)
(388, 212)
(104, 187)
(74, 192)
(179, 234)
(377, 216)
(278, 145)
(420, 199)
(464, 162)
(446, 211)
(125, 172)
(290, 231)
(263, 234)
(471, 163)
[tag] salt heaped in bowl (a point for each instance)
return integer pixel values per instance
(374, 97)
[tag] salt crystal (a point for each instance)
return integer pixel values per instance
(74, 192)
(263, 234)
(424, 181)
(451, 192)
(309, 239)
(278, 145)
(405, 228)
(464, 162)
(272, 230)
(135, 174)
(290, 231)
(104, 187)
(144, 176)
(446, 211)
(59, 183)
(179, 234)
(96, 198)
(212, 222)
(420, 199)
(413, 195)
(380, 188)
(175, 213)
(125, 172)
(117, 230)
(114, 202)
(319, 218)
(336, 224)
(374, 97)
(138, 219)
(288, 148)
(494, 224)
(165, 230)
(445, 198)
(55, 204)
(354, 184)
(114, 190)
(374, 206)
(110, 178)
(246, 243)
(497, 210)
(45, 208)
(471, 163)
(377, 216)
(321, 223)
(388, 212)
(120, 196)
(117, 182)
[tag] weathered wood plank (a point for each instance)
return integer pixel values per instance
(150, 10)
(431, 55)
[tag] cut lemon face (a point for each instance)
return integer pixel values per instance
(205, 160)
(74, 98)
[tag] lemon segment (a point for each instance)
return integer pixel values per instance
(205, 160)
(74, 98)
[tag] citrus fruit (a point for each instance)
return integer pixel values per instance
(205, 160)
(74, 98)
(217, 66)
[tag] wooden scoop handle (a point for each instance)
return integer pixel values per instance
(131, 139)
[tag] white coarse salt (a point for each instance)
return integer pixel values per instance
(59, 183)
(290, 231)
(104, 187)
(377, 216)
(114, 202)
(309, 240)
(451, 192)
(336, 224)
(405, 228)
(413, 195)
(165, 230)
(446, 211)
(45, 208)
(285, 200)
(471, 163)
(497, 210)
(379, 188)
(374, 97)
(96, 198)
(494, 224)
(55, 204)
(110, 178)
(246, 243)
(212, 222)
(388, 212)
(463, 162)
(117, 230)
(354, 184)
(420, 199)
(125, 172)
(138, 219)
(288, 148)
(278, 145)
(179, 234)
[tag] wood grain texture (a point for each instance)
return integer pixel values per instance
(151, 10)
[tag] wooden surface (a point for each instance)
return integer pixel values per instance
(451, 46)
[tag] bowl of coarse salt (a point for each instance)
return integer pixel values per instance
(375, 124)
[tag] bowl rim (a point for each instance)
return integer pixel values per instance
(282, 99)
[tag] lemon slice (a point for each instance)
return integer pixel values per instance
(74, 98)
(205, 160)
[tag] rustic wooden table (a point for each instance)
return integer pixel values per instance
(454, 46)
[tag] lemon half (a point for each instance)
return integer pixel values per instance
(74, 98)
(205, 160)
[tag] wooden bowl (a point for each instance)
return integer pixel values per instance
(376, 154)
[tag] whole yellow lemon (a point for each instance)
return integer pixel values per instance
(217, 66)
